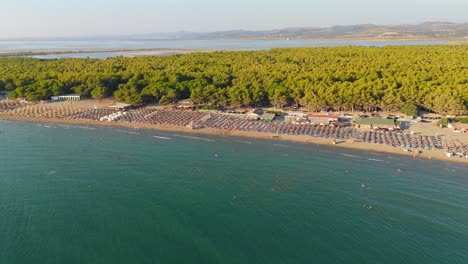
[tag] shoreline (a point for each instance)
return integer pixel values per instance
(172, 51)
(434, 154)
(138, 52)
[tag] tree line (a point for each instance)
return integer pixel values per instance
(391, 78)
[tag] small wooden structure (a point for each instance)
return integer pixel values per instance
(374, 123)
(267, 117)
(186, 104)
(69, 97)
(296, 114)
(258, 114)
(239, 111)
(184, 107)
(255, 114)
(339, 124)
(431, 116)
(322, 119)
(121, 106)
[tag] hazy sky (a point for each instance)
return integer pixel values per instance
(46, 18)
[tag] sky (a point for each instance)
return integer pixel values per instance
(78, 18)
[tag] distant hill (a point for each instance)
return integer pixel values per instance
(443, 31)
(427, 30)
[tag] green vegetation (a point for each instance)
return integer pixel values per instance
(463, 120)
(276, 112)
(205, 107)
(410, 109)
(433, 78)
(443, 121)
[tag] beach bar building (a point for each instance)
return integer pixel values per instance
(375, 123)
(184, 107)
(267, 117)
(259, 114)
(296, 118)
(322, 119)
(120, 106)
(254, 114)
(69, 97)
(186, 104)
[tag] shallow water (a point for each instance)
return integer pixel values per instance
(72, 194)
(206, 44)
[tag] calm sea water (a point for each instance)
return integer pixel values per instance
(217, 44)
(103, 195)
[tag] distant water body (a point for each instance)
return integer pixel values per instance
(112, 195)
(8, 46)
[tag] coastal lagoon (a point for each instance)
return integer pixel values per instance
(71, 194)
(184, 44)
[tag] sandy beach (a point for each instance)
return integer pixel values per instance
(436, 154)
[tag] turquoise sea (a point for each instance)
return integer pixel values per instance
(113, 195)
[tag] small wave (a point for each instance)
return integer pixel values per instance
(84, 127)
(162, 137)
(352, 156)
(280, 145)
(359, 157)
(196, 138)
(127, 132)
(375, 160)
(73, 126)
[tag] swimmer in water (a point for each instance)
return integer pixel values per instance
(399, 171)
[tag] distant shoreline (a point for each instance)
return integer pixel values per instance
(173, 51)
(136, 52)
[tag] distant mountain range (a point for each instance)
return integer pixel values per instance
(427, 30)
(443, 31)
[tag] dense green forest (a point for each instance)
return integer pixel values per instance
(404, 78)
